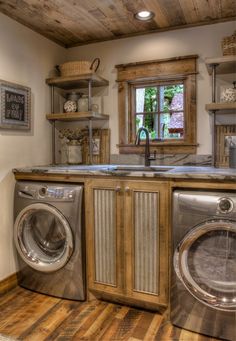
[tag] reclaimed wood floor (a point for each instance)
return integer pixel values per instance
(29, 316)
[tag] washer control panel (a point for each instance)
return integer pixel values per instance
(59, 193)
(47, 192)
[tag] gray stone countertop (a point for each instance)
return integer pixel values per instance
(169, 172)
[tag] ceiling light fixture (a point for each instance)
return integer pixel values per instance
(144, 15)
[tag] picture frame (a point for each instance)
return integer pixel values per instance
(225, 135)
(15, 106)
(229, 138)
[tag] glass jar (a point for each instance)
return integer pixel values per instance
(74, 152)
(83, 103)
(71, 104)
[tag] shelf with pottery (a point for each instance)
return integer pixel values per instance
(216, 66)
(77, 116)
(88, 80)
(222, 107)
(227, 105)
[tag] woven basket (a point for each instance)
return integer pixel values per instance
(229, 45)
(77, 68)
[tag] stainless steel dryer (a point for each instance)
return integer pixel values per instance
(203, 288)
(48, 235)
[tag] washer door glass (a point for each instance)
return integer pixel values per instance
(205, 261)
(43, 237)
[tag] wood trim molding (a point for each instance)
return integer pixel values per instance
(156, 71)
(178, 66)
(8, 283)
(156, 61)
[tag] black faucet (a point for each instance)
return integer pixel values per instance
(148, 156)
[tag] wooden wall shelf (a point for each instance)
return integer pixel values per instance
(81, 81)
(226, 64)
(230, 107)
(77, 116)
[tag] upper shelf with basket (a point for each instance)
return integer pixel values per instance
(78, 81)
(78, 106)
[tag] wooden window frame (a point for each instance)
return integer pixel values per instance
(183, 69)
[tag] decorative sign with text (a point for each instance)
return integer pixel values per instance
(14, 106)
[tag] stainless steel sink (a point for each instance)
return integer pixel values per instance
(137, 168)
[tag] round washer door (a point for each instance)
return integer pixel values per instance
(43, 237)
(205, 262)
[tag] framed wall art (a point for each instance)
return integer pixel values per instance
(15, 107)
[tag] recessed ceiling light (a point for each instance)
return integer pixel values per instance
(144, 15)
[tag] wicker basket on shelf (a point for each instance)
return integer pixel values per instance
(229, 45)
(77, 68)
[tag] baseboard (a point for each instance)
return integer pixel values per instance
(8, 283)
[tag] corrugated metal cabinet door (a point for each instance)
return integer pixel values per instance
(104, 235)
(145, 230)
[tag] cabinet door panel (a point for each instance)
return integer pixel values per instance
(105, 236)
(146, 242)
(104, 226)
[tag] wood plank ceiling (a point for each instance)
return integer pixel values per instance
(79, 22)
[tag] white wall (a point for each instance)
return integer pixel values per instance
(204, 41)
(25, 58)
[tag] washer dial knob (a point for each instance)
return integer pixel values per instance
(225, 205)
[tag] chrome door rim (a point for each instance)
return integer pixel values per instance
(37, 264)
(181, 267)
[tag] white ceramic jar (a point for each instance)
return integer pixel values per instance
(83, 103)
(228, 94)
(74, 152)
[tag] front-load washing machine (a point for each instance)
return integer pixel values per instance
(203, 288)
(48, 235)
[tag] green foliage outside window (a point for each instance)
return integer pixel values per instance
(163, 94)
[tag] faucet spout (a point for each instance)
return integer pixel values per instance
(148, 157)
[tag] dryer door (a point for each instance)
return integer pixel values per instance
(205, 262)
(43, 237)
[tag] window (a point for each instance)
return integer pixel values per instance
(160, 109)
(161, 96)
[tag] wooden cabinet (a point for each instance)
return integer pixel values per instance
(127, 239)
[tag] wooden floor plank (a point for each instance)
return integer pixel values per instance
(102, 323)
(108, 333)
(19, 321)
(153, 328)
(29, 316)
(74, 321)
(143, 325)
(127, 325)
(49, 321)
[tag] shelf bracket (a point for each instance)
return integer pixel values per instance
(213, 138)
(90, 142)
(213, 79)
(53, 128)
